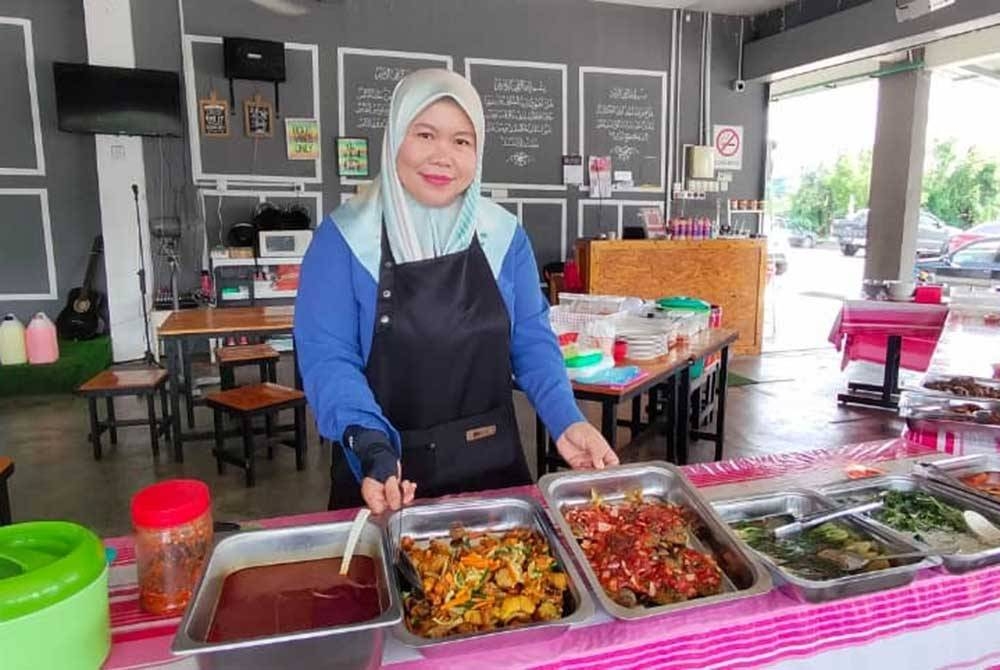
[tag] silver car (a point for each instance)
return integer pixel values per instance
(932, 233)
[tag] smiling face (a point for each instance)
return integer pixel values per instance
(436, 161)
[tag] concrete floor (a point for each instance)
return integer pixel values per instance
(793, 408)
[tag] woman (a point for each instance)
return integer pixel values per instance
(417, 307)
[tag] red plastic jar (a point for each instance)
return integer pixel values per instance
(173, 536)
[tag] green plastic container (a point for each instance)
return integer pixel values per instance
(682, 302)
(53, 597)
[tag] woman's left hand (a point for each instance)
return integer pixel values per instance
(583, 447)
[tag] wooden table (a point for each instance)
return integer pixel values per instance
(671, 373)
(183, 326)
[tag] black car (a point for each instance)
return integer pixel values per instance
(932, 233)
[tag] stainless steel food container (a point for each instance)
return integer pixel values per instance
(744, 576)
(435, 520)
(949, 471)
(931, 377)
(799, 503)
(352, 646)
(952, 562)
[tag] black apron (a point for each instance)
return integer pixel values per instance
(440, 370)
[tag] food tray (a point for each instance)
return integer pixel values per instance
(799, 503)
(356, 645)
(949, 471)
(744, 576)
(957, 563)
(435, 520)
(931, 377)
(950, 409)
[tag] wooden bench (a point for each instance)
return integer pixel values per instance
(146, 382)
(247, 402)
(6, 470)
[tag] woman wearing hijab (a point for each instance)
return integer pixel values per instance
(418, 305)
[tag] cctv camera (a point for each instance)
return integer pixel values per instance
(739, 85)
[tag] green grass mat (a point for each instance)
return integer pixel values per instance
(78, 362)
(736, 380)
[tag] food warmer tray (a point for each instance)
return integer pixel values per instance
(743, 575)
(800, 503)
(436, 520)
(931, 377)
(955, 562)
(949, 471)
(350, 646)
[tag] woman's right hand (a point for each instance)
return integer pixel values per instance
(392, 494)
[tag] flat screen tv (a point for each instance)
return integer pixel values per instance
(117, 100)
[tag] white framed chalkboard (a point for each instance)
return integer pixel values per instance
(366, 79)
(525, 107)
(623, 115)
(597, 216)
(544, 219)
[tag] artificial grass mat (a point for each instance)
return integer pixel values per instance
(78, 362)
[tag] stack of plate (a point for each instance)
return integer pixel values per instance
(646, 338)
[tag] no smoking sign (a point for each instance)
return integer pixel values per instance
(728, 143)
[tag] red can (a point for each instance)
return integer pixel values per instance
(620, 351)
(715, 317)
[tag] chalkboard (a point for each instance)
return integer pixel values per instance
(366, 79)
(622, 116)
(545, 224)
(597, 218)
(525, 108)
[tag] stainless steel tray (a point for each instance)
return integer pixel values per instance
(352, 646)
(950, 409)
(992, 384)
(949, 471)
(953, 562)
(745, 577)
(799, 503)
(435, 520)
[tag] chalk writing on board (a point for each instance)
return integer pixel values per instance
(628, 119)
(519, 112)
(371, 99)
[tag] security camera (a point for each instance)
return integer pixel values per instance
(739, 85)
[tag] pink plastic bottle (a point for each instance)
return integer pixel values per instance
(40, 340)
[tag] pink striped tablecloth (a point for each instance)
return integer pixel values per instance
(863, 327)
(773, 629)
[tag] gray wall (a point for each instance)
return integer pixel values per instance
(563, 31)
(867, 30)
(70, 179)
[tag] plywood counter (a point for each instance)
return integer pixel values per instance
(729, 273)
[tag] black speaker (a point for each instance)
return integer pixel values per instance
(258, 60)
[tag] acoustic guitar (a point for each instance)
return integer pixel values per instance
(81, 319)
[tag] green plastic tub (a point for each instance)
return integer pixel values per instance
(53, 597)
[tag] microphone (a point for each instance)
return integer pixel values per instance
(135, 190)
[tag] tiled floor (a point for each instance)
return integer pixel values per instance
(793, 408)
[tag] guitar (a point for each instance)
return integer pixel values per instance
(81, 319)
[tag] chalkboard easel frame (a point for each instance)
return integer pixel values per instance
(257, 107)
(218, 109)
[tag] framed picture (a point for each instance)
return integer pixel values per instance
(302, 138)
(213, 116)
(352, 156)
(258, 117)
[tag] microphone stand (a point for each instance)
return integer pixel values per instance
(147, 357)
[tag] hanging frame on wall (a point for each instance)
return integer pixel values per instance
(258, 118)
(352, 157)
(213, 116)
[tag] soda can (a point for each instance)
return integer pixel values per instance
(715, 317)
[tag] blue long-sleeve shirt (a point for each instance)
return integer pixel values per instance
(334, 325)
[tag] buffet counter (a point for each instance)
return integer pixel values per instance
(731, 273)
(938, 620)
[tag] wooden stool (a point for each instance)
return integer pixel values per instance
(110, 383)
(246, 402)
(6, 470)
(230, 358)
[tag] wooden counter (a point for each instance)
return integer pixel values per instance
(729, 273)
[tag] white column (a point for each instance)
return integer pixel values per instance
(119, 166)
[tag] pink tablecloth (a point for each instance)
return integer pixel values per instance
(773, 628)
(863, 327)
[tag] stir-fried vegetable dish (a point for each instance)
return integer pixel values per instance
(639, 551)
(817, 554)
(987, 482)
(926, 519)
(478, 582)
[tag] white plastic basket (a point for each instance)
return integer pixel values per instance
(596, 331)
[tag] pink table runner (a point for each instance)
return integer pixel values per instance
(770, 629)
(863, 327)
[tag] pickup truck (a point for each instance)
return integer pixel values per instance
(932, 234)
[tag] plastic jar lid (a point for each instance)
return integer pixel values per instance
(170, 503)
(45, 562)
(684, 302)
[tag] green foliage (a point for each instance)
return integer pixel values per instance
(826, 193)
(961, 190)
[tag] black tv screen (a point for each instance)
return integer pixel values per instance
(117, 100)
